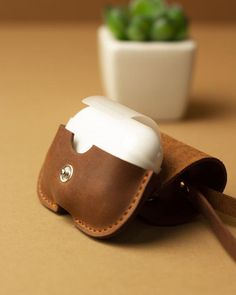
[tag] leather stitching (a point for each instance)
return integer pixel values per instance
(43, 197)
(85, 225)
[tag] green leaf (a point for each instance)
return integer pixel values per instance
(176, 15)
(149, 8)
(139, 28)
(117, 19)
(182, 34)
(162, 30)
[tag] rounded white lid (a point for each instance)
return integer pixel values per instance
(118, 130)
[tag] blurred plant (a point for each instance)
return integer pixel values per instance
(147, 20)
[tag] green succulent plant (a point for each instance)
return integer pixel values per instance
(147, 20)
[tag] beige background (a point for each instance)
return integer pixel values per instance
(45, 70)
(74, 10)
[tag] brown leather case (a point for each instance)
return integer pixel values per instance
(105, 192)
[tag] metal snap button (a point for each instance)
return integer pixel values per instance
(66, 173)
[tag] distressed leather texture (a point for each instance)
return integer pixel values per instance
(181, 163)
(105, 192)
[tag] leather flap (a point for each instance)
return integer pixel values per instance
(168, 205)
(103, 193)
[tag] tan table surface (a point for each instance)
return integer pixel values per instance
(45, 70)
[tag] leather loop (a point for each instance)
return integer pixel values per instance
(167, 205)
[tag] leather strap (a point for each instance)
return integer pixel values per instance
(221, 202)
(203, 201)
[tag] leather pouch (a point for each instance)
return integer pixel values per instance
(102, 192)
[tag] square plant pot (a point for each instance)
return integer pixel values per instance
(151, 77)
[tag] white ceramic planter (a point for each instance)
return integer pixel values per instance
(151, 77)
